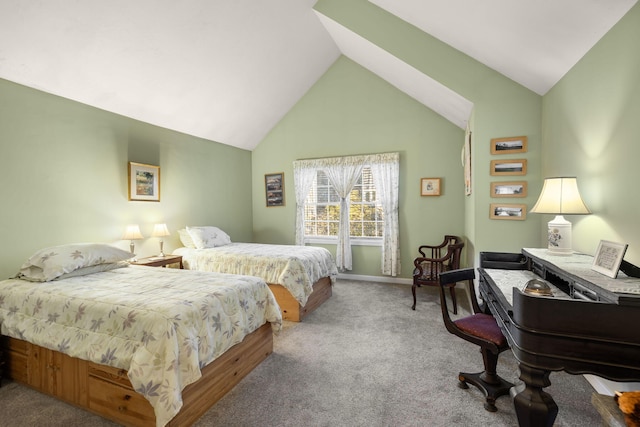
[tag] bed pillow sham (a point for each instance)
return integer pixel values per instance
(208, 237)
(186, 239)
(83, 271)
(49, 263)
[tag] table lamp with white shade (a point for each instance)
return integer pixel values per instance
(160, 230)
(132, 232)
(560, 196)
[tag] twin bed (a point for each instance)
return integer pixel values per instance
(138, 345)
(153, 346)
(300, 277)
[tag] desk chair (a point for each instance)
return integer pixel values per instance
(480, 329)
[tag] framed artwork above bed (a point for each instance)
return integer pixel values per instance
(274, 189)
(144, 182)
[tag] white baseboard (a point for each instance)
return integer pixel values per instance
(382, 279)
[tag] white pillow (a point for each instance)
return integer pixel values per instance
(186, 239)
(83, 271)
(208, 237)
(49, 263)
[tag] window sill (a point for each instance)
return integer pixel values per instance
(355, 241)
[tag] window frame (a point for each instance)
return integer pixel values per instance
(355, 240)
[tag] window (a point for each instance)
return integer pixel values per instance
(322, 209)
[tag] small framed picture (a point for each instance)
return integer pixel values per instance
(513, 144)
(509, 189)
(430, 187)
(274, 189)
(608, 258)
(508, 211)
(144, 182)
(508, 167)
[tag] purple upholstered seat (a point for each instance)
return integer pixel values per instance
(482, 326)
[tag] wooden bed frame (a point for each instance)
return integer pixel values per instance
(106, 391)
(291, 308)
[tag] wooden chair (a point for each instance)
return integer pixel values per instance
(480, 329)
(435, 260)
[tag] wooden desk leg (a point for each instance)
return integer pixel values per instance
(534, 406)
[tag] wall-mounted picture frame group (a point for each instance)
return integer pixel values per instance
(274, 189)
(144, 182)
(608, 258)
(508, 167)
(430, 186)
(510, 145)
(509, 189)
(508, 211)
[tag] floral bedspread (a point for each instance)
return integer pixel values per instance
(161, 325)
(296, 268)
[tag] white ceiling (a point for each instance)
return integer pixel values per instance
(228, 71)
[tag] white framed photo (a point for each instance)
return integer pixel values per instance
(608, 258)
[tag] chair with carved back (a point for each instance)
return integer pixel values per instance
(480, 329)
(435, 260)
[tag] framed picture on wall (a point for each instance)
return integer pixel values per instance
(508, 211)
(508, 167)
(274, 189)
(430, 187)
(144, 182)
(513, 144)
(509, 189)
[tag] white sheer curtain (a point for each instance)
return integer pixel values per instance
(343, 176)
(385, 169)
(343, 173)
(304, 173)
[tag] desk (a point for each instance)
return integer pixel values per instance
(586, 327)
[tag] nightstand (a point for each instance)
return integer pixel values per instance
(159, 261)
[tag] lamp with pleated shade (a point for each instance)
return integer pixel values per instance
(160, 230)
(132, 232)
(560, 196)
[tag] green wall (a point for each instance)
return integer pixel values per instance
(591, 128)
(63, 178)
(351, 111)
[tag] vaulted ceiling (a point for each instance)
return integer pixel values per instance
(228, 71)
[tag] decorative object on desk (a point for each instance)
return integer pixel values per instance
(509, 167)
(560, 196)
(274, 189)
(144, 182)
(537, 287)
(608, 258)
(508, 211)
(132, 232)
(160, 230)
(629, 404)
(509, 189)
(513, 144)
(430, 186)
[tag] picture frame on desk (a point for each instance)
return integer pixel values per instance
(608, 258)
